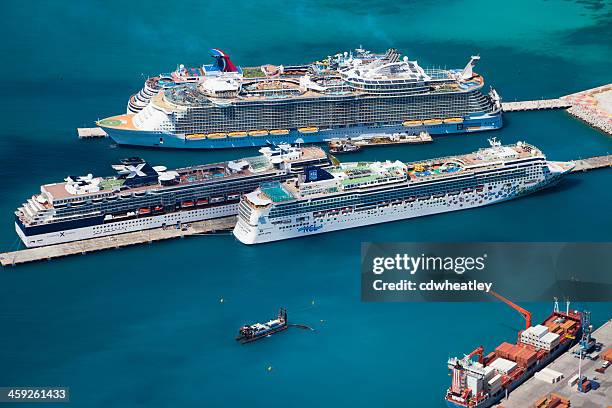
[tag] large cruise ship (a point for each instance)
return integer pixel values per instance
(357, 194)
(348, 94)
(142, 196)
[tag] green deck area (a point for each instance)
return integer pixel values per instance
(109, 184)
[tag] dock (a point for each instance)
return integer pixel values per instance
(593, 163)
(542, 104)
(534, 389)
(116, 241)
(594, 107)
(89, 133)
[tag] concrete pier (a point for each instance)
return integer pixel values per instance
(593, 163)
(542, 104)
(115, 241)
(593, 106)
(533, 389)
(88, 133)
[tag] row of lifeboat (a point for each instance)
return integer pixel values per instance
(253, 133)
(409, 123)
(190, 203)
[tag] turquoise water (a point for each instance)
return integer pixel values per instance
(144, 326)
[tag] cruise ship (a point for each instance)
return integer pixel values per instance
(350, 94)
(141, 196)
(356, 194)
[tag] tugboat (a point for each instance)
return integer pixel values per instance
(257, 331)
(340, 146)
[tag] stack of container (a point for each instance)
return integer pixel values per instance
(503, 366)
(503, 349)
(552, 401)
(525, 357)
(539, 336)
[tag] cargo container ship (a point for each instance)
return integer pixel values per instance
(483, 383)
(356, 194)
(249, 333)
(223, 106)
(141, 196)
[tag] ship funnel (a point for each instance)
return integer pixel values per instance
(468, 70)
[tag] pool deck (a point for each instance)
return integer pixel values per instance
(533, 389)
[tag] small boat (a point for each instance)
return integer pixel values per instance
(412, 123)
(217, 135)
(258, 133)
(249, 333)
(196, 136)
(216, 200)
(202, 201)
(187, 204)
(279, 132)
(237, 134)
(432, 122)
(158, 208)
(233, 197)
(310, 129)
(343, 146)
(453, 120)
(144, 210)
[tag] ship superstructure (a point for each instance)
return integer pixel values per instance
(345, 95)
(141, 196)
(363, 193)
(483, 383)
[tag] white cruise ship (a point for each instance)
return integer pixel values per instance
(356, 194)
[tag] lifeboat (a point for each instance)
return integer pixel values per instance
(196, 136)
(432, 122)
(158, 208)
(234, 196)
(217, 135)
(238, 134)
(453, 120)
(412, 123)
(258, 133)
(311, 129)
(144, 210)
(202, 201)
(187, 204)
(279, 132)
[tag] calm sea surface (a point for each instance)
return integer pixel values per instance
(144, 326)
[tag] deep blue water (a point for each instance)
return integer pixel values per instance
(144, 326)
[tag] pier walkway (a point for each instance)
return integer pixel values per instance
(533, 389)
(558, 103)
(593, 163)
(115, 241)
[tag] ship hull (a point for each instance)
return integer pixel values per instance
(248, 234)
(79, 230)
(475, 123)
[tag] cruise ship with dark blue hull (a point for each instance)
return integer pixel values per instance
(346, 95)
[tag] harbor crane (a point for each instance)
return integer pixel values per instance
(524, 312)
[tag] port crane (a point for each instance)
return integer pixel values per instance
(524, 312)
(477, 351)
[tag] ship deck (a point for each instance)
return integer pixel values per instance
(533, 389)
(188, 175)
